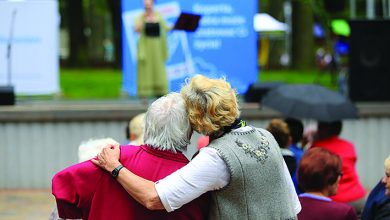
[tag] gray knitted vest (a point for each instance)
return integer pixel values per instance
(258, 187)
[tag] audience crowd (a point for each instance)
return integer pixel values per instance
(237, 171)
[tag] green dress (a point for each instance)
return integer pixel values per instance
(152, 53)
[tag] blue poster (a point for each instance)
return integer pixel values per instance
(224, 45)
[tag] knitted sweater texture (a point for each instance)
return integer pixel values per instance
(258, 188)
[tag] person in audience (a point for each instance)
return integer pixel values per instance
(87, 150)
(350, 188)
(136, 129)
(88, 192)
(203, 141)
(279, 129)
(377, 206)
(319, 173)
(387, 176)
(296, 132)
(242, 166)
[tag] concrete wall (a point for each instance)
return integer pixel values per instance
(35, 143)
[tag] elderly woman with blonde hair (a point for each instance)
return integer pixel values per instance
(136, 129)
(386, 179)
(377, 206)
(242, 166)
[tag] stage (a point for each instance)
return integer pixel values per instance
(124, 109)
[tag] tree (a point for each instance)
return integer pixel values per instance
(89, 24)
(74, 15)
(115, 12)
(302, 35)
(278, 48)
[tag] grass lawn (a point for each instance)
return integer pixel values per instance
(90, 83)
(94, 84)
(298, 77)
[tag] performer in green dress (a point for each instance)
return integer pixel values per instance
(152, 53)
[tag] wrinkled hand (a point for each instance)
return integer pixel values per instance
(108, 158)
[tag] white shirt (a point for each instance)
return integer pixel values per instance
(206, 172)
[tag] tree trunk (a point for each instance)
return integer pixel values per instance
(276, 48)
(302, 35)
(96, 23)
(77, 39)
(116, 14)
(276, 9)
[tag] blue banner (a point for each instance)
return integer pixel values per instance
(224, 45)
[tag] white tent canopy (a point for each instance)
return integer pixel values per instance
(264, 22)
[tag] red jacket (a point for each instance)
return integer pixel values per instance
(350, 188)
(86, 191)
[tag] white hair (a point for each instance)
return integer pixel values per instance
(89, 149)
(167, 126)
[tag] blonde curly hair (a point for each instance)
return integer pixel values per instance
(211, 104)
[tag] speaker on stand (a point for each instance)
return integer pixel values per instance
(369, 61)
(7, 95)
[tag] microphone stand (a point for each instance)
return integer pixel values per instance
(9, 47)
(7, 94)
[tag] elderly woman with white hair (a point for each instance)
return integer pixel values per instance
(242, 166)
(377, 206)
(86, 191)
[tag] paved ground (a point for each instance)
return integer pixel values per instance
(26, 204)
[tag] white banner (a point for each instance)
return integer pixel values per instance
(29, 46)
